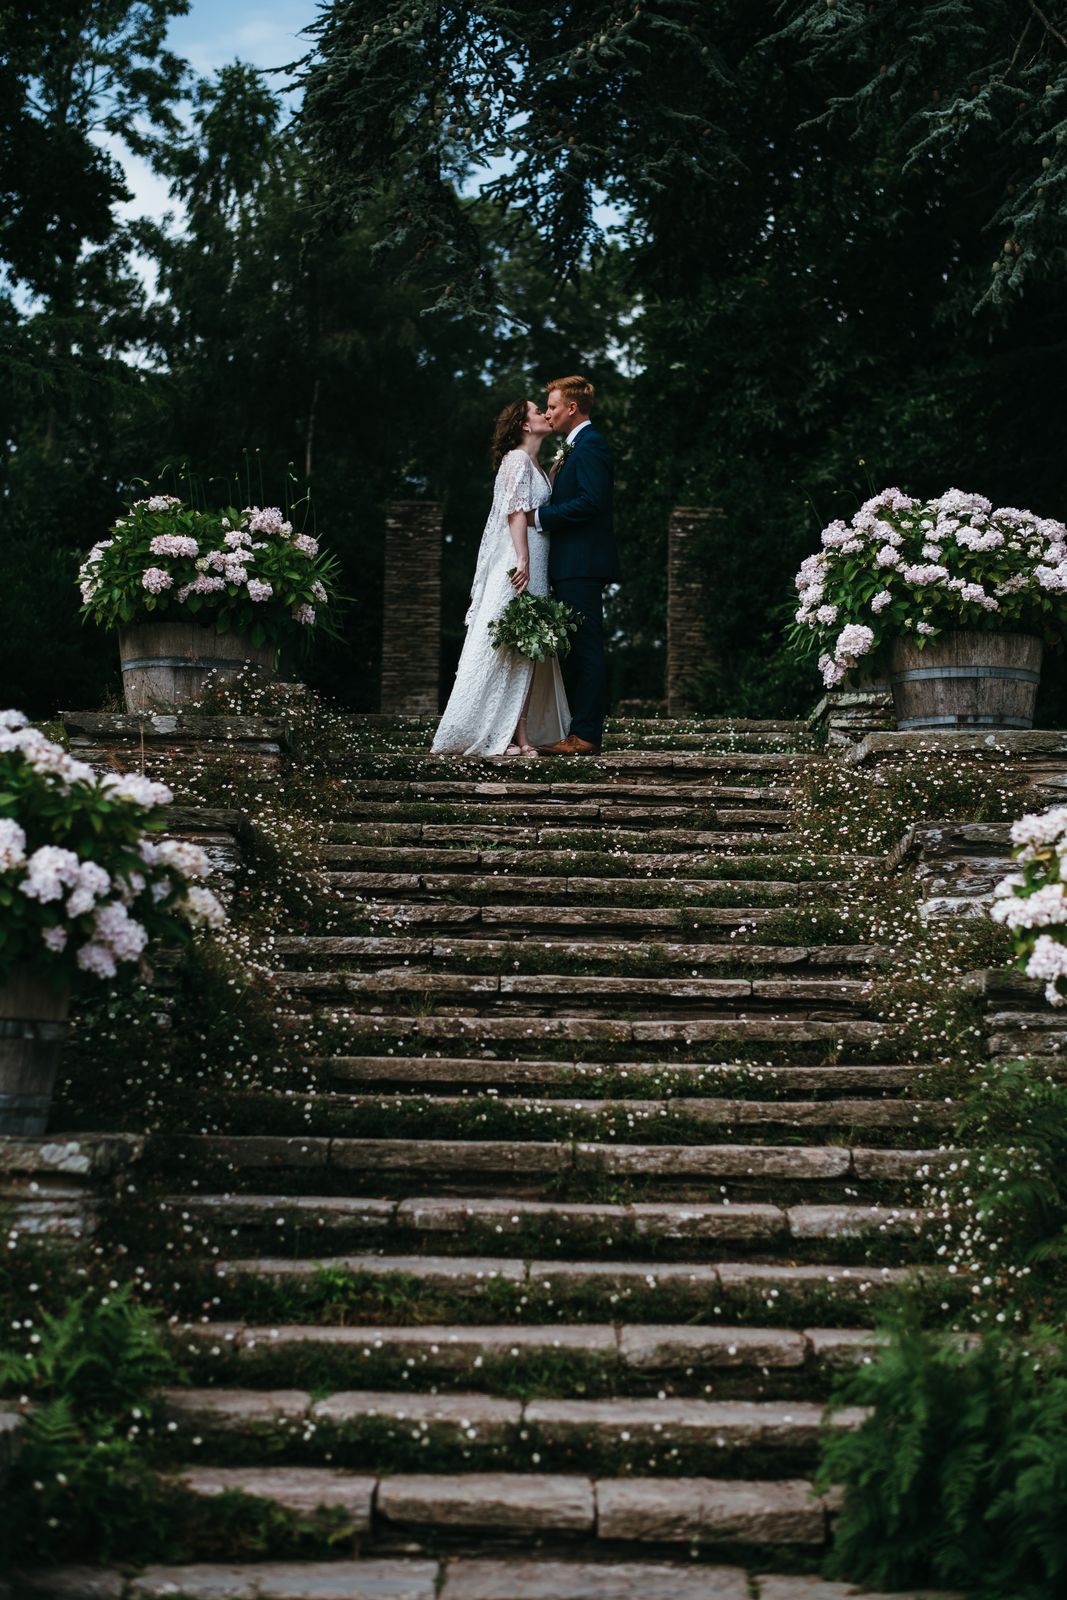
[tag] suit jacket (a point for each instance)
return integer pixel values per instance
(578, 518)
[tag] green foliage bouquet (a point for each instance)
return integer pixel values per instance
(535, 625)
(907, 566)
(243, 571)
(83, 884)
(1033, 902)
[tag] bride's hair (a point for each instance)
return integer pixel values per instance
(508, 432)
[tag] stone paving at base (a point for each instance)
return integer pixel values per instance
(449, 1580)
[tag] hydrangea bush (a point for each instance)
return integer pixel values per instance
(905, 566)
(244, 571)
(84, 885)
(1033, 902)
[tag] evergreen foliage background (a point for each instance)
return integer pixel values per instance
(838, 257)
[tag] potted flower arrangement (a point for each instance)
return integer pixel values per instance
(193, 592)
(86, 885)
(955, 598)
(1033, 902)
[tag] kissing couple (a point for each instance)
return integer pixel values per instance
(546, 529)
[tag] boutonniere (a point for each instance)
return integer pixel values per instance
(564, 451)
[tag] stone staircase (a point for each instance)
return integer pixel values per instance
(610, 1165)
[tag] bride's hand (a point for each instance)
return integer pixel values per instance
(520, 576)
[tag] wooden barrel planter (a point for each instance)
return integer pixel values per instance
(165, 664)
(33, 1026)
(966, 680)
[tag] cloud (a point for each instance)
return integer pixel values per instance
(213, 34)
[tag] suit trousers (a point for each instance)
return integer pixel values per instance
(585, 673)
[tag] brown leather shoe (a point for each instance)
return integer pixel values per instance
(570, 746)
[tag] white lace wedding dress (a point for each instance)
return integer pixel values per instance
(491, 684)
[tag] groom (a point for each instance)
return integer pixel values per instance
(581, 556)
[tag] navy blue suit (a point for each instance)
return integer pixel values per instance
(581, 559)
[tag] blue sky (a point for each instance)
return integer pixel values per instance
(264, 32)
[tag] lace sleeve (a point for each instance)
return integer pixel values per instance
(517, 482)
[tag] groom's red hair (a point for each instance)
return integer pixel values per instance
(578, 389)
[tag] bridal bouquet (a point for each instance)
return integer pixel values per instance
(906, 566)
(1033, 902)
(244, 571)
(534, 625)
(86, 879)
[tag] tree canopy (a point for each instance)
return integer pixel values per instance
(834, 261)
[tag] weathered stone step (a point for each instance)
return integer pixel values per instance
(639, 1510)
(677, 764)
(476, 1425)
(560, 1223)
(525, 1031)
(459, 947)
(590, 835)
(788, 997)
(471, 1157)
(709, 893)
(632, 1350)
(576, 813)
(572, 1116)
(639, 741)
(460, 1578)
(644, 920)
(370, 1287)
(611, 791)
(432, 1074)
(707, 868)
(644, 715)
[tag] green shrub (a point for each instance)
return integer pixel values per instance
(959, 1475)
(80, 1483)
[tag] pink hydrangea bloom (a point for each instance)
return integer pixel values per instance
(155, 580)
(118, 931)
(267, 519)
(49, 871)
(184, 857)
(174, 544)
(12, 844)
(97, 959)
(202, 908)
(131, 786)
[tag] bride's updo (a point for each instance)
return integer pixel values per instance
(508, 433)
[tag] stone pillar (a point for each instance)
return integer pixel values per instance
(411, 624)
(687, 644)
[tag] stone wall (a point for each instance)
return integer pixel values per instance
(955, 866)
(411, 623)
(848, 715)
(156, 740)
(687, 642)
(57, 1185)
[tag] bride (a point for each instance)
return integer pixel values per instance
(502, 703)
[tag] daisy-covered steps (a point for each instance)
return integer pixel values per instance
(607, 1163)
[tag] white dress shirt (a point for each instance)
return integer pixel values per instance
(569, 440)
